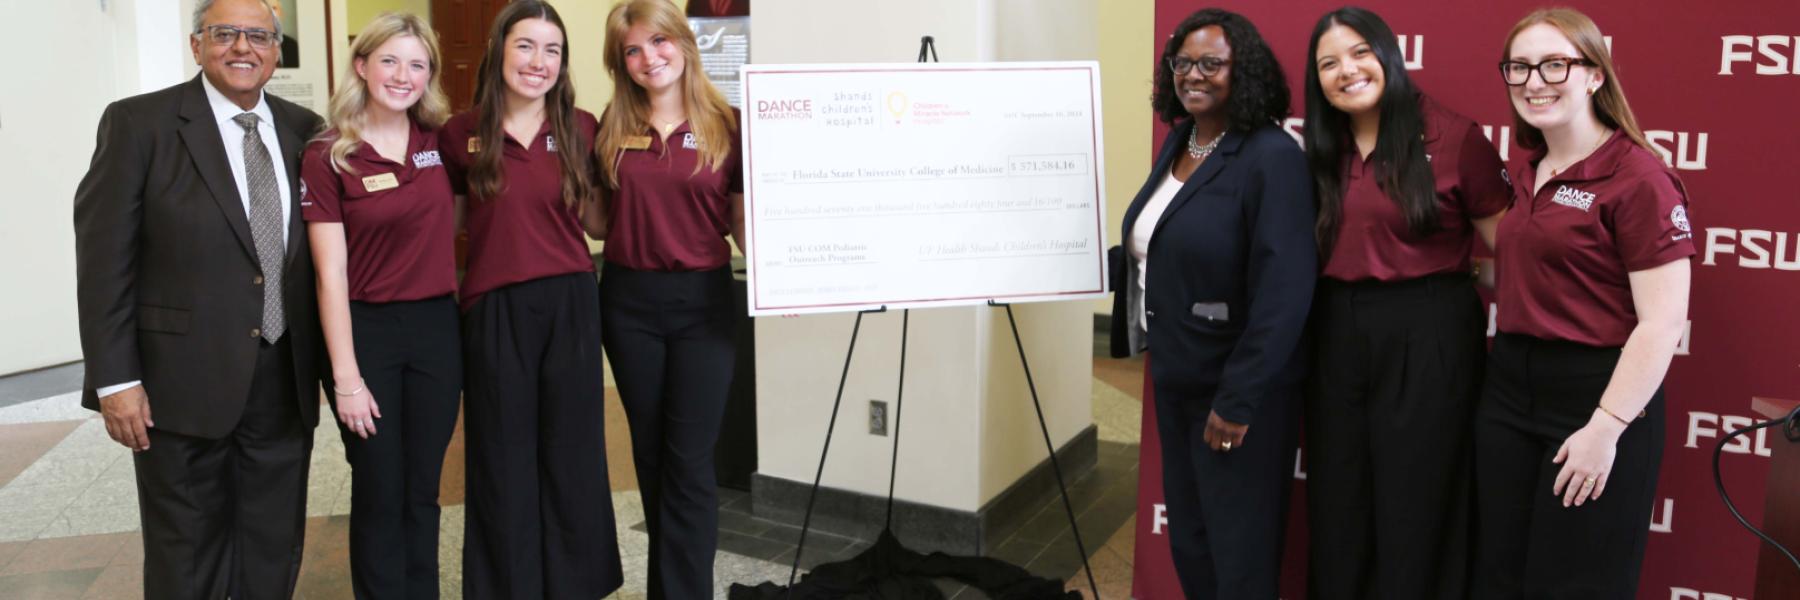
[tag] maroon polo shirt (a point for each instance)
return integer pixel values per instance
(666, 217)
(1374, 241)
(528, 232)
(399, 217)
(1564, 252)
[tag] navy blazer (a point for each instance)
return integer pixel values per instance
(1235, 266)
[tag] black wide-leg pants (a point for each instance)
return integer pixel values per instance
(539, 518)
(1537, 393)
(1389, 439)
(669, 337)
(1227, 510)
(227, 517)
(410, 355)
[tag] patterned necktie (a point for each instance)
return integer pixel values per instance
(265, 224)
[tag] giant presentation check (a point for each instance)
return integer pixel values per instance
(922, 185)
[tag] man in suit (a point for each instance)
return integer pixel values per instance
(198, 315)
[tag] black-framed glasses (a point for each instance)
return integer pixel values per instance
(1552, 71)
(226, 35)
(1209, 66)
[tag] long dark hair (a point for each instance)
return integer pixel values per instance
(1399, 155)
(1259, 92)
(486, 178)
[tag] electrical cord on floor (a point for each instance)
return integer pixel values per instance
(1790, 428)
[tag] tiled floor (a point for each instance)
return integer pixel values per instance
(69, 522)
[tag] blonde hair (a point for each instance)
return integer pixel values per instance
(1610, 106)
(628, 115)
(348, 113)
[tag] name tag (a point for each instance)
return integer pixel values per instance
(1212, 311)
(474, 145)
(384, 181)
(637, 142)
(688, 142)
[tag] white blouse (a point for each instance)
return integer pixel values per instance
(1140, 235)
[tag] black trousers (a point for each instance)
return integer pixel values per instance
(669, 338)
(227, 517)
(410, 355)
(1537, 393)
(1227, 510)
(1388, 437)
(539, 520)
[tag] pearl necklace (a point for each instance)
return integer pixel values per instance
(1198, 150)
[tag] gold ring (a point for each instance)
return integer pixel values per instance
(1227, 446)
(1588, 483)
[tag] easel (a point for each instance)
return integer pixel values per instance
(928, 48)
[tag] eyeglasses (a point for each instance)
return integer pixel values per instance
(1209, 66)
(226, 35)
(1552, 71)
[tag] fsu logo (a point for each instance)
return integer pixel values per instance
(1775, 54)
(1679, 218)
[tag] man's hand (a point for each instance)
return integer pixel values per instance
(127, 415)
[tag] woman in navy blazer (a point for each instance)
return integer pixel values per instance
(1225, 223)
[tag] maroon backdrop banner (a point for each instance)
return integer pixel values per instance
(1716, 85)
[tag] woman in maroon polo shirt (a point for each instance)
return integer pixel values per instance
(1593, 288)
(382, 223)
(540, 516)
(1405, 186)
(672, 190)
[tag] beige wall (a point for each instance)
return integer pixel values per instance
(359, 12)
(46, 140)
(1126, 43)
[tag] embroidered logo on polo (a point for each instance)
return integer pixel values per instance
(305, 200)
(688, 142)
(1573, 198)
(428, 158)
(550, 143)
(1505, 177)
(1679, 218)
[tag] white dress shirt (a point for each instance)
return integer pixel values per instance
(1140, 235)
(232, 134)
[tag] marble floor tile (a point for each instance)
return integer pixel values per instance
(94, 520)
(1117, 415)
(23, 526)
(71, 505)
(24, 443)
(11, 550)
(63, 554)
(118, 582)
(62, 407)
(49, 585)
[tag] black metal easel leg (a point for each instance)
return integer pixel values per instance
(1055, 465)
(806, 522)
(899, 400)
